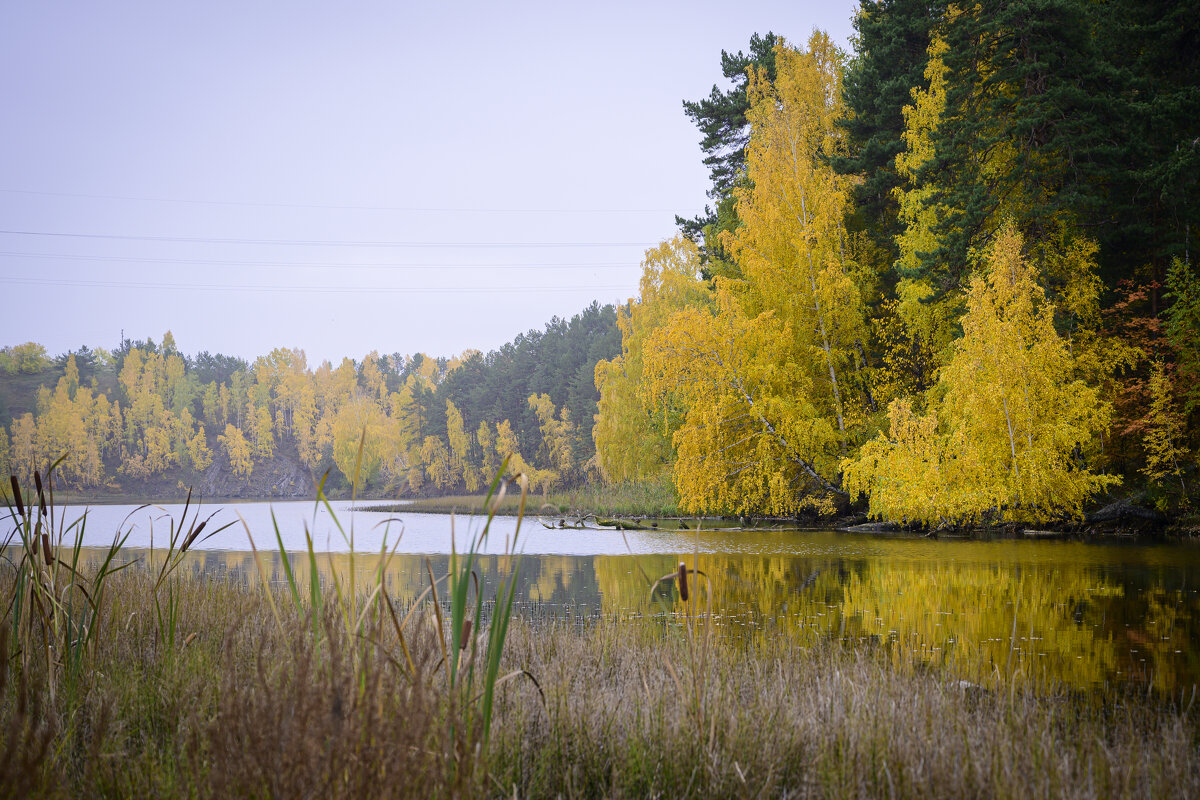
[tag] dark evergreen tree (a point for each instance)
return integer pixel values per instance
(1152, 204)
(721, 118)
(559, 360)
(1028, 130)
(889, 61)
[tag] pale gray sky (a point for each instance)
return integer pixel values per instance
(347, 177)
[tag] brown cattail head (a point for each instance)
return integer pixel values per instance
(466, 635)
(16, 487)
(192, 536)
(37, 482)
(683, 587)
(46, 554)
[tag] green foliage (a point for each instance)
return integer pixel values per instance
(26, 358)
(1183, 330)
(725, 130)
(888, 63)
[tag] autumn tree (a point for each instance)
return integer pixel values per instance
(460, 440)
(361, 438)
(6, 467)
(28, 358)
(1166, 454)
(489, 462)
(632, 436)
(438, 464)
(773, 380)
(237, 450)
(1013, 427)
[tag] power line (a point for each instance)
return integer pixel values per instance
(315, 243)
(304, 264)
(335, 207)
(106, 284)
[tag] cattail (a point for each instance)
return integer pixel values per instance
(683, 587)
(16, 487)
(192, 536)
(466, 635)
(37, 481)
(46, 549)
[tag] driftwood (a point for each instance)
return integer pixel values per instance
(1034, 534)
(874, 527)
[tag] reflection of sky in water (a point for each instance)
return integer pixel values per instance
(431, 533)
(1052, 611)
(1047, 612)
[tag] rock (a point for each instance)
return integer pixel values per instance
(1124, 511)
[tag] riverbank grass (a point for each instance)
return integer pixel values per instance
(644, 499)
(246, 699)
(151, 681)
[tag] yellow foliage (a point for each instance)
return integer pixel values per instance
(460, 447)
(356, 416)
(1012, 418)
(198, 452)
(6, 467)
(1163, 440)
(237, 449)
(751, 437)
(558, 437)
(261, 436)
(436, 459)
(772, 380)
(507, 447)
(487, 446)
(632, 440)
(23, 456)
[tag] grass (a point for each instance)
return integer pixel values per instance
(649, 499)
(247, 708)
(185, 685)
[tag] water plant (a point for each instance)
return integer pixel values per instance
(54, 611)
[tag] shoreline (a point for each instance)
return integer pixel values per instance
(1119, 520)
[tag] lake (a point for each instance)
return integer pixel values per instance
(1082, 614)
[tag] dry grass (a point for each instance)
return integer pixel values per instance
(252, 707)
(819, 723)
(650, 498)
(242, 709)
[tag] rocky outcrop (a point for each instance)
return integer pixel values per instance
(282, 475)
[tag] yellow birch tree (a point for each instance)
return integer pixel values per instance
(632, 437)
(1012, 430)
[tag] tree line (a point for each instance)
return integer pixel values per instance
(947, 273)
(146, 411)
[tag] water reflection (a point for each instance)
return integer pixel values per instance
(1079, 614)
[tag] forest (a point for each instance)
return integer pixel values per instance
(944, 276)
(146, 418)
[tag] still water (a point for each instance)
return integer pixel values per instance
(1087, 615)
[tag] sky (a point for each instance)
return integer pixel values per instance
(348, 177)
